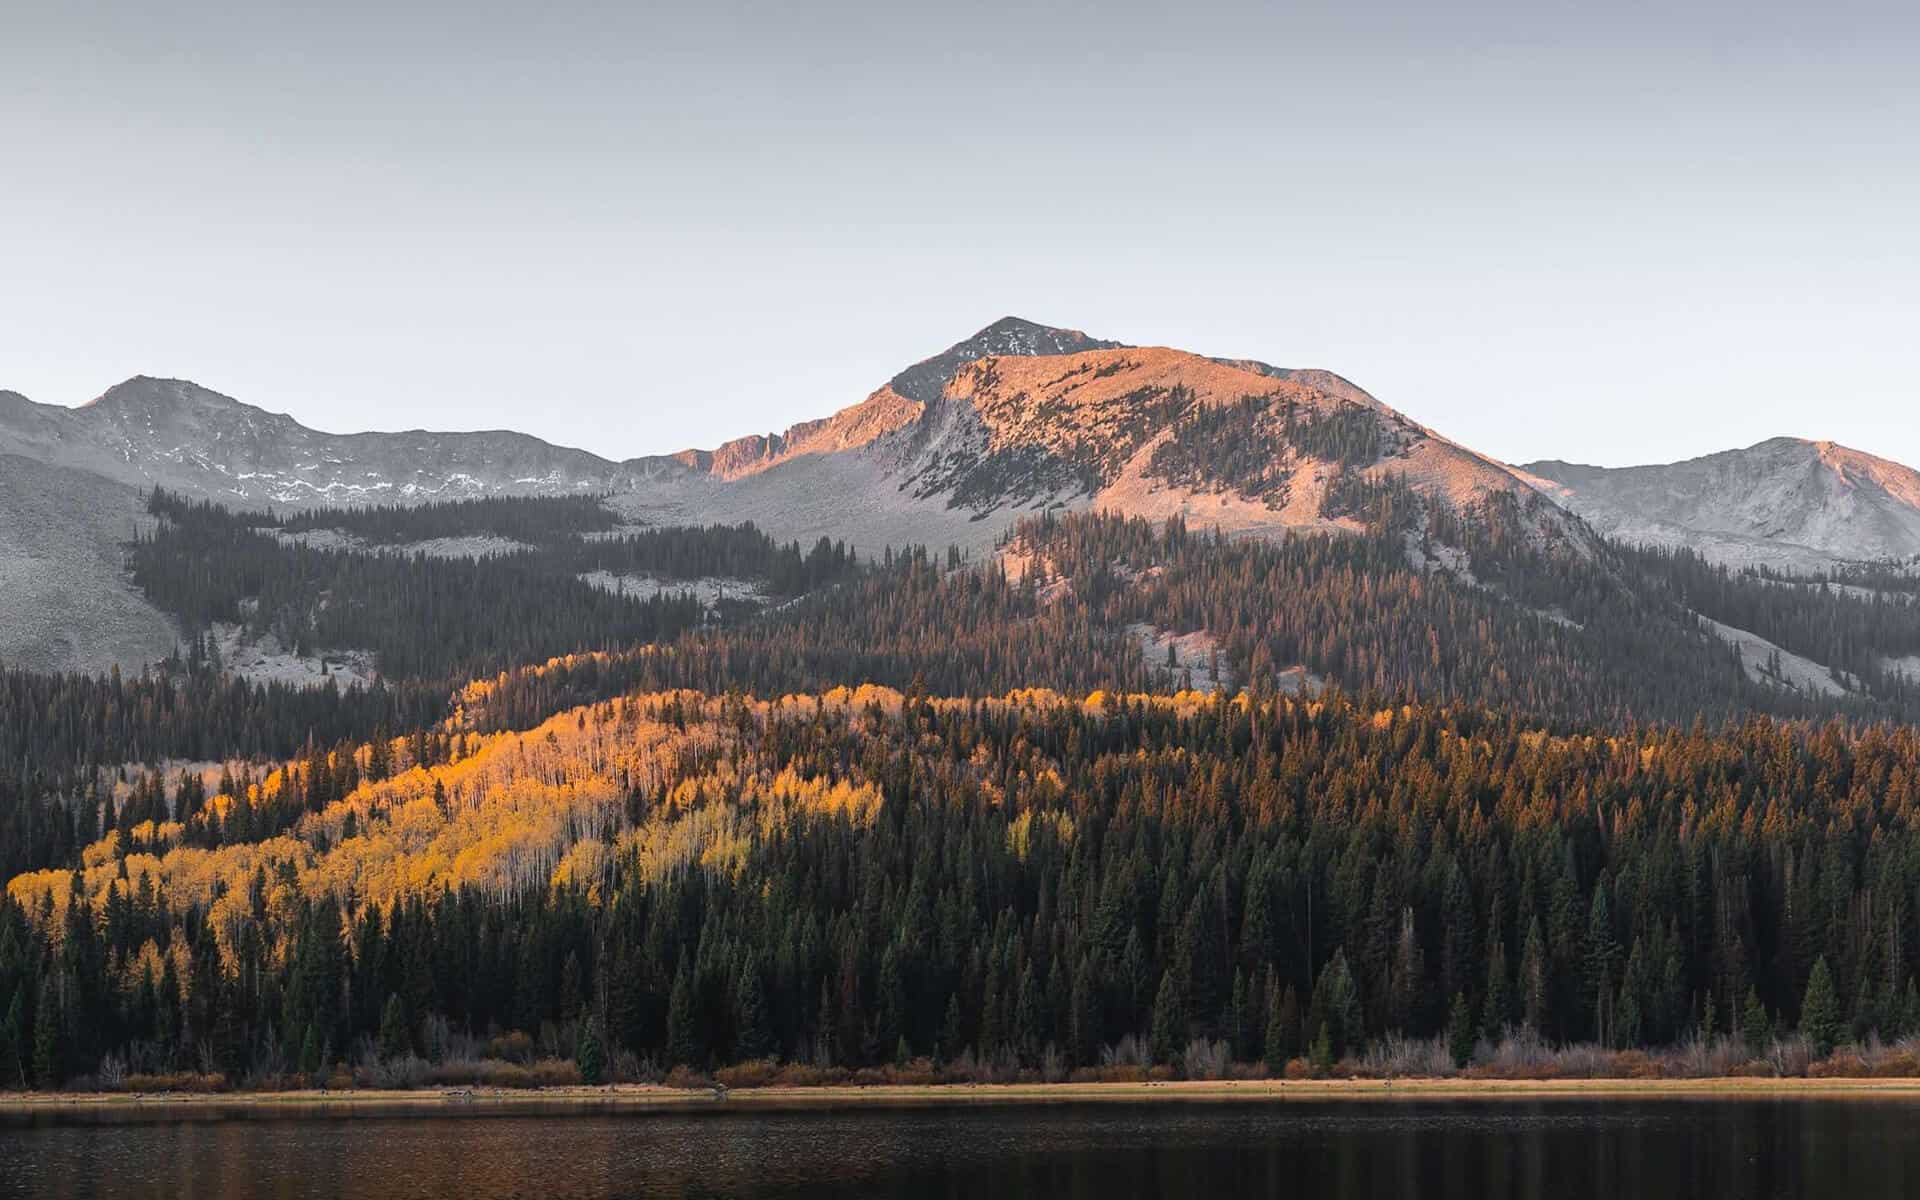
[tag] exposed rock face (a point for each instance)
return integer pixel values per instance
(1784, 503)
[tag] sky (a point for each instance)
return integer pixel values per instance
(1610, 233)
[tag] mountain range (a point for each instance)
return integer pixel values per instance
(1019, 419)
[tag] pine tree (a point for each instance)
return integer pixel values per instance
(684, 1043)
(1535, 978)
(1497, 1007)
(590, 1053)
(396, 1040)
(1336, 1006)
(311, 1052)
(1169, 1035)
(1321, 1055)
(753, 1038)
(952, 1032)
(1820, 1010)
(13, 1049)
(49, 1043)
(1755, 1029)
(1602, 952)
(1460, 1030)
(1083, 1020)
(1282, 1012)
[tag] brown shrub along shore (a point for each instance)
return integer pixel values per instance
(1413, 1065)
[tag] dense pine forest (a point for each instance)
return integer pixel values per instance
(1036, 883)
(425, 616)
(930, 815)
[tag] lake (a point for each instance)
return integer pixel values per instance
(1444, 1150)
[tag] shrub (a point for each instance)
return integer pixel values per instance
(754, 1073)
(515, 1047)
(683, 1076)
(1203, 1059)
(181, 1081)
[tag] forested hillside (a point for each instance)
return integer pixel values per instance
(1609, 639)
(439, 617)
(1454, 777)
(865, 877)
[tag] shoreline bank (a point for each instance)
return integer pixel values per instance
(644, 1098)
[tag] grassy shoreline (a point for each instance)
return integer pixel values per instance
(653, 1098)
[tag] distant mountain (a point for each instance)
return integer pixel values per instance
(190, 439)
(1785, 503)
(1020, 418)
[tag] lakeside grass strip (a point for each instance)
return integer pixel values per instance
(641, 1098)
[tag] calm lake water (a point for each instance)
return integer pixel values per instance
(1573, 1150)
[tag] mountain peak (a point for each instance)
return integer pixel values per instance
(1789, 502)
(1020, 337)
(149, 394)
(1009, 336)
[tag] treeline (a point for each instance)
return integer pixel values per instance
(65, 739)
(422, 617)
(575, 535)
(683, 552)
(535, 520)
(1561, 636)
(1233, 446)
(1241, 446)
(448, 618)
(881, 877)
(1565, 637)
(1850, 628)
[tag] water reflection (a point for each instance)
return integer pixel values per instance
(1570, 1150)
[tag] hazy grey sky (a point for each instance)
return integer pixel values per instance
(1610, 232)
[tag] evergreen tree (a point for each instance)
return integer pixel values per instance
(1083, 1023)
(1282, 1017)
(1535, 979)
(684, 1042)
(1336, 1009)
(396, 1039)
(1820, 1010)
(753, 1038)
(312, 1053)
(49, 1040)
(1322, 1055)
(1602, 952)
(1169, 1035)
(590, 1053)
(1497, 1007)
(13, 1041)
(1755, 1029)
(1461, 1033)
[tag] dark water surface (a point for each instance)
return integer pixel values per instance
(1558, 1150)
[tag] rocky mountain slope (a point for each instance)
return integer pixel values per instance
(1023, 418)
(1785, 503)
(190, 439)
(65, 600)
(1020, 418)
(1016, 418)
